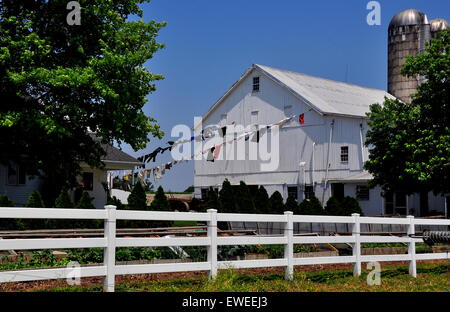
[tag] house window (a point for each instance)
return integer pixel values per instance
(362, 192)
(255, 84)
(88, 181)
(309, 192)
(344, 154)
(254, 117)
(292, 192)
(16, 175)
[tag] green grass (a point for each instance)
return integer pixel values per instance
(431, 278)
(184, 223)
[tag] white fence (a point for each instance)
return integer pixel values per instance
(109, 242)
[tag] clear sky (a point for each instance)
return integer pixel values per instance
(210, 43)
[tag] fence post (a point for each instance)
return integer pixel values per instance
(356, 231)
(212, 248)
(289, 247)
(412, 247)
(109, 253)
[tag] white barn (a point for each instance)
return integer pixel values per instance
(324, 156)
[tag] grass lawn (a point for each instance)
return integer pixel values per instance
(435, 278)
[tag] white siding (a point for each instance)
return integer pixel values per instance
(18, 193)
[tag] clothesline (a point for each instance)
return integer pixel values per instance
(213, 152)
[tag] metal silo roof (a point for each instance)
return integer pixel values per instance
(409, 17)
(439, 24)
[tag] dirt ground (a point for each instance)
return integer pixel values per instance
(123, 279)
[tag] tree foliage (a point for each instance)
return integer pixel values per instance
(226, 198)
(160, 202)
(262, 200)
(213, 200)
(137, 200)
(244, 199)
(276, 204)
(311, 206)
(410, 143)
(57, 81)
(63, 200)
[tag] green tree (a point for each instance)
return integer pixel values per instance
(160, 202)
(311, 206)
(334, 207)
(410, 143)
(226, 198)
(137, 200)
(58, 80)
(244, 199)
(35, 200)
(262, 200)
(63, 200)
(213, 200)
(85, 201)
(276, 204)
(291, 205)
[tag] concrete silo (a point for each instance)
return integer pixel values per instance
(409, 32)
(438, 25)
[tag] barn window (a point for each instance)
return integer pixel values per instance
(344, 153)
(309, 191)
(254, 117)
(255, 84)
(16, 175)
(292, 192)
(362, 192)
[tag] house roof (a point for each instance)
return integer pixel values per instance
(325, 96)
(115, 155)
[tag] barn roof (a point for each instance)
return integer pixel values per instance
(327, 97)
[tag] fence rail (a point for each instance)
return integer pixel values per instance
(110, 241)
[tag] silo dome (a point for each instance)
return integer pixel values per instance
(408, 17)
(439, 24)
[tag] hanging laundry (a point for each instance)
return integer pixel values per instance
(165, 149)
(210, 156)
(223, 131)
(217, 151)
(301, 119)
(168, 166)
(152, 155)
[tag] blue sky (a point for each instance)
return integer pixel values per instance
(210, 43)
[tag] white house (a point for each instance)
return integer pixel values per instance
(324, 156)
(17, 185)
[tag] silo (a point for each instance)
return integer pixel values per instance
(409, 31)
(438, 25)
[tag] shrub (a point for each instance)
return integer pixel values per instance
(63, 200)
(213, 200)
(5, 202)
(160, 202)
(244, 199)
(262, 200)
(35, 200)
(342, 207)
(291, 205)
(85, 201)
(276, 203)
(137, 199)
(226, 198)
(311, 206)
